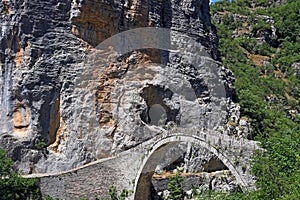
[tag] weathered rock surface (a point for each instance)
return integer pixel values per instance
(47, 121)
(296, 68)
(221, 181)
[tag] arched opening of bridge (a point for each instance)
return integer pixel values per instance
(201, 165)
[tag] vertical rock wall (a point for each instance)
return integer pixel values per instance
(45, 121)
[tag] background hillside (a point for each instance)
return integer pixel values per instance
(259, 40)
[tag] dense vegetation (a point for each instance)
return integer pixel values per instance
(267, 86)
(13, 186)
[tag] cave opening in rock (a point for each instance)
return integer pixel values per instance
(158, 111)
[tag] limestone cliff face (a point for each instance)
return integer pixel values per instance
(46, 122)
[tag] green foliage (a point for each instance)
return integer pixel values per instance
(40, 144)
(288, 54)
(259, 11)
(212, 195)
(277, 169)
(261, 25)
(174, 187)
(113, 193)
(233, 6)
(288, 20)
(247, 43)
(252, 46)
(12, 186)
(263, 3)
(124, 194)
(230, 23)
(265, 49)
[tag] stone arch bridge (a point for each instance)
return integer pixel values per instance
(132, 170)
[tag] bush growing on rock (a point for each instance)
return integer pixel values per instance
(12, 185)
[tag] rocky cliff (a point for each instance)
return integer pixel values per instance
(47, 120)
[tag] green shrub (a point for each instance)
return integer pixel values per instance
(174, 187)
(13, 186)
(40, 144)
(113, 193)
(261, 25)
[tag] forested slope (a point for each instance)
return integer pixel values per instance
(259, 40)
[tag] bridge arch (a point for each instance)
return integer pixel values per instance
(157, 150)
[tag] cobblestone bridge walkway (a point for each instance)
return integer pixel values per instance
(132, 170)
